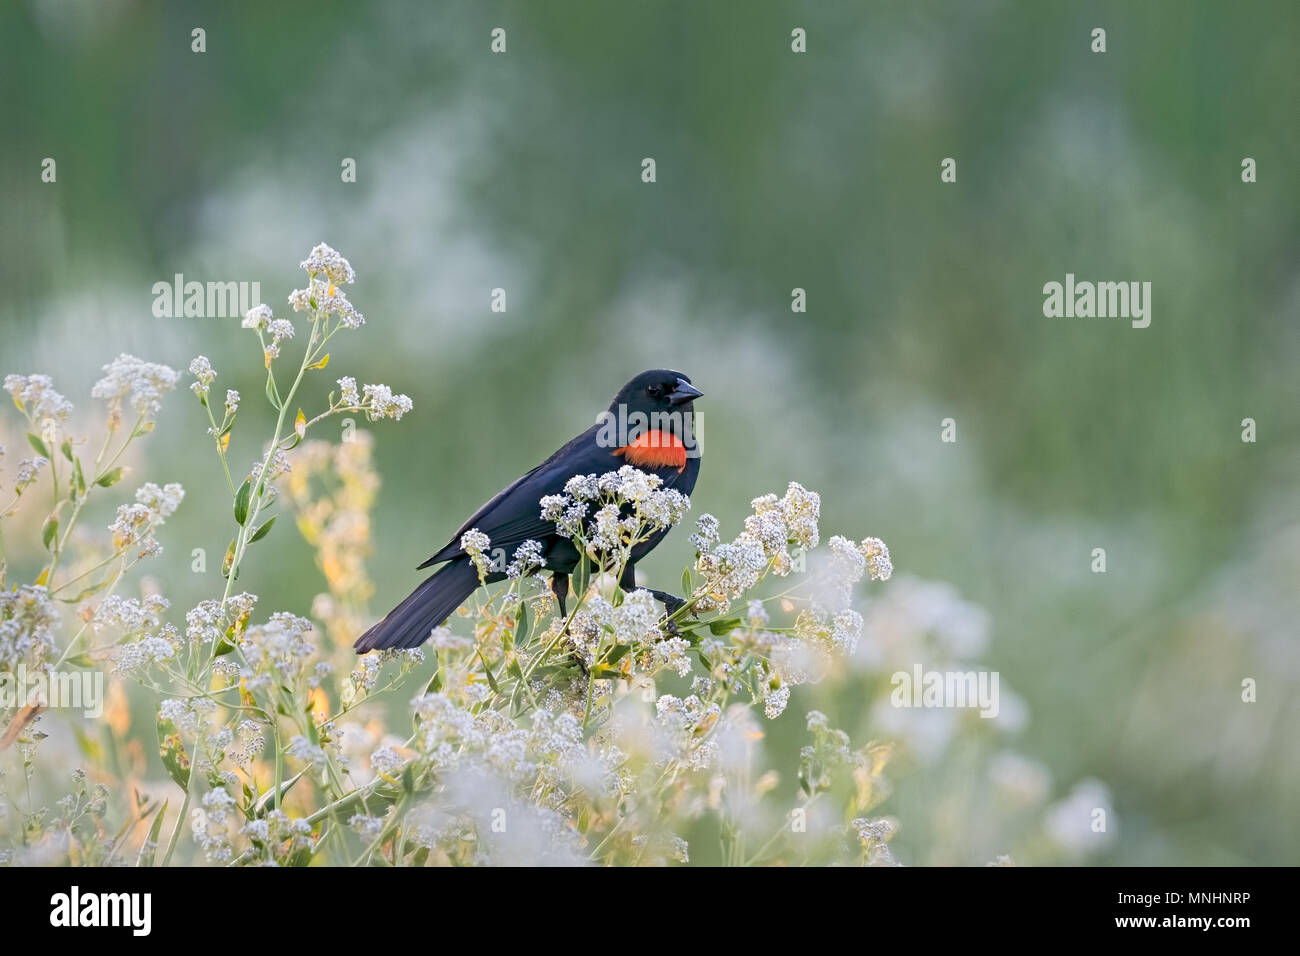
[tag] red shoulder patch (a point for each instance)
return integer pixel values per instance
(655, 449)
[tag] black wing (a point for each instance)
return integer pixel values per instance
(513, 515)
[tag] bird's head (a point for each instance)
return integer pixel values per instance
(652, 421)
(658, 390)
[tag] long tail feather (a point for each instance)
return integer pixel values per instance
(410, 623)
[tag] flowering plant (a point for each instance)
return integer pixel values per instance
(606, 734)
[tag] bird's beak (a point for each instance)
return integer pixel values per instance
(683, 392)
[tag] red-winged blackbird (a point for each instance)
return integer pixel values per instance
(656, 443)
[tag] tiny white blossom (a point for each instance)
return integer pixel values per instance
(380, 402)
(348, 391)
(203, 371)
(326, 261)
(280, 329)
(258, 317)
(36, 398)
(144, 382)
(527, 557)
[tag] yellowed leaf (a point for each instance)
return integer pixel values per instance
(21, 719)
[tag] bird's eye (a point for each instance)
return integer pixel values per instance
(654, 391)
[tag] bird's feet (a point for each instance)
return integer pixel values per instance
(672, 604)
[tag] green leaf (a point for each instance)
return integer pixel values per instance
(724, 625)
(228, 561)
(109, 478)
(223, 648)
(263, 531)
(521, 622)
(35, 441)
(581, 576)
(78, 478)
(87, 592)
(241, 501)
(272, 393)
(150, 845)
(492, 681)
(66, 448)
(50, 531)
(172, 751)
(618, 653)
(265, 800)
(686, 583)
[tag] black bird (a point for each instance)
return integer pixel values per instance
(661, 440)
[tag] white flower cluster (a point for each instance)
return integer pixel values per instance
(368, 828)
(189, 715)
(874, 836)
(28, 621)
(830, 751)
(326, 299)
(277, 651)
(685, 723)
(211, 826)
(630, 506)
(278, 838)
(475, 544)
(300, 748)
(44, 407)
(251, 741)
(204, 375)
(377, 401)
(143, 383)
(329, 263)
(29, 469)
(730, 569)
(275, 468)
(528, 557)
(135, 524)
(259, 317)
(145, 638)
(327, 270)
(207, 621)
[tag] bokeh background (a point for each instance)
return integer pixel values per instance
(775, 170)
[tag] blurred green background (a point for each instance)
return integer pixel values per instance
(775, 170)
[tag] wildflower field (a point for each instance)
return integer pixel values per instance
(992, 555)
